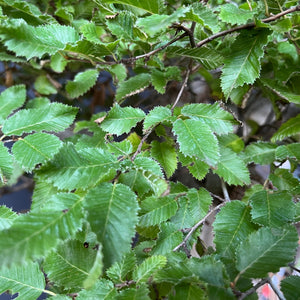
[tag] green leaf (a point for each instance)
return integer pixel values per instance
(72, 263)
(157, 210)
(26, 40)
(166, 155)
(122, 25)
(119, 270)
(11, 99)
(284, 180)
(7, 217)
(27, 280)
(139, 293)
(182, 218)
(71, 169)
(232, 141)
(290, 287)
(35, 149)
(272, 209)
(230, 13)
(132, 86)
(6, 165)
(148, 268)
(120, 120)
(113, 218)
(92, 32)
(82, 83)
(196, 139)
(22, 241)
(287, 129)
(218, 119)
(188, 291)
(157, 115)
(44, 86)
(209, 58)
(270, 250)
(56, 118)
(103, 289)
(288, 151)
(232, 168)
(262, 153)
(151, 6)
(232, 225)
(243, 65)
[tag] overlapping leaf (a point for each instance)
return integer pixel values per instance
(7, 216)
(232, 14)
(103, 289)
(287, 129)
(6, 165)
(261, 153)
(157, 115)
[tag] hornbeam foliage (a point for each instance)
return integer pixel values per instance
(161, 141)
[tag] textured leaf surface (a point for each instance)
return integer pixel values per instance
(11, 99)
(196, 139)
(26, 40)
(132, 86)
(260, 153)
(27, 280)
(287, 129)
(230, 13)
(272, 209)
(82, 83)
(290, 287)
(270, 250)
(72, 169)
(6, 164)
(112, 214)
(35, 149)
(141, 292)
(166, 155)
(157, 115)
(157, 210)
(209, 58)
(243, 63)
(232, 168)
(56, 118)
(72, 263)
(120, 120)
(283, 179)
(188, 291)
(22, 241)
(219, 120)
(7, 216)
(232, 225)
(148, 268)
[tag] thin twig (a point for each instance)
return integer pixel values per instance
(254, 288)
(294, 268)
(195, 227)
(247, 26)
(139, 148)
(276, 290)
(225, 192)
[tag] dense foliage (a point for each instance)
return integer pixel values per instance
(99, 109)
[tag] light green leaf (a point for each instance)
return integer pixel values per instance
(290, 287)
(113, 217)
(139, 293)
(182, 218)
(148, 268)
(166, 155)
(232, 141)
(287, 129)
(118, 271)
(156, 210)
(242, 65)
(22, 241)
(56, 118)
(157, 115)
(261, 153)
(122, 25)
(132, 86)
(218, 119)
(26, 40)
(120, 120)
(44, 86)
(82, 83)
(232, 14)
(7, 217)
(72, 263)
(35, 149)
(168, 238)
(38, 102)
(6, 165)
(232, 168)
(196, 139)
(209, 58)
(283, 179)
(103, 289)
(272, 209)
(71, 169)
(26, 280)
(92, 32)
(270, 250)
(11, 58)
(11, 99)
(232, 225)
(288, 151)
(151, 6)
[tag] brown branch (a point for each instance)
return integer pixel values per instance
(247, 26)
(139, 148)
(196, 226)
(253, 289)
